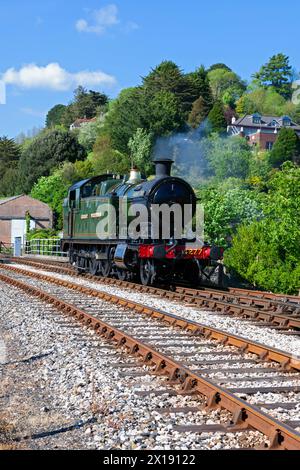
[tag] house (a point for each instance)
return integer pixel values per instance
(13, 217)
(261, 131)
(81, 122)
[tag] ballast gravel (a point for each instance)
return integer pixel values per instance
(61, 388)
(243, 328)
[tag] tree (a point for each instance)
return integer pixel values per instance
(88, 134)
(107, 159)
(295, 114)
(55, 115)
(201, 87)
(242, 105)
(229, 157)
(223, 81)
(198, 114)
(9, 182)
(277, 73)
(286, 147)
(264, 101)
(273, 262)
(165, 114)
(9, 152)
(225, 210)
(46, 151)
(85, 104)
(69, 116)
(229, 113)
(9, 156)
(53, 189)
(140, 146)
(216, 118)
(219, 66)
(167, 77)
(126, 114)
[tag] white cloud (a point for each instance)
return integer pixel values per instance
(102, 19)
(54, 77)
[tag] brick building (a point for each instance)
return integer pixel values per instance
(13, 217)
(261, 131)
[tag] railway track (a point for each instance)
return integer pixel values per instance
(270, 310)
(196, 358)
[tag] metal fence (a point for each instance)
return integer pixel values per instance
(6, 248)
(44, 247)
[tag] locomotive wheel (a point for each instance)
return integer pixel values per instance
(94, 267)
(147, 272)
(106, 266)
(122, 274)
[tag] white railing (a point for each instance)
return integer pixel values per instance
(44, 247)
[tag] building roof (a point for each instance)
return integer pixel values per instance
(266, 121)
(8, 199)
(79, 122)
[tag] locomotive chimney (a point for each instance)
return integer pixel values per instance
(163, 167)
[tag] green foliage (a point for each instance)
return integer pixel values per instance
(294, 113)
(140, 146)
(45, 152)
(259, 169)
(267, 252)
(107, 159)
(216, 118)
(228, 158)
(201, 88)
(219, 66)
(85, 104)
(225, 209)
(226, 84)
(53, 189)
(88, 134)
(277, 73)
(39, 234)
(265, 101)
(286, 147)
(198, 114)
(165, 114)
(9, 152)
(125, 116)
(9, 156)
(168, 78)
(55, 115)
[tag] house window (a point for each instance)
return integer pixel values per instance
(286, 121)
(256, 118)
(269, 145)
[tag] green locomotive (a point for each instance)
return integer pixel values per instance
(99, 213)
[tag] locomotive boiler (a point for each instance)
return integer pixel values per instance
(106, 235)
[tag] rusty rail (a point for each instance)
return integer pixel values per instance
(245, 416)
(240, 305)
(287, 361)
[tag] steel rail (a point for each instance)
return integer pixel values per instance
(266, 353)
(245, 416)
(210, 299)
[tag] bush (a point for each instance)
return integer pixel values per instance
(266, 252)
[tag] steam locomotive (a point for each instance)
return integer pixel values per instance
(99, 242)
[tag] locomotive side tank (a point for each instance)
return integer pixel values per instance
(98, 241)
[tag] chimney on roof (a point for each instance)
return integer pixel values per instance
(233, 120)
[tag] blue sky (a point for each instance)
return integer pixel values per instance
(48, 47)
